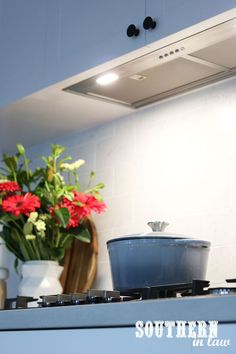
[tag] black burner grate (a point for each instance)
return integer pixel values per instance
(19, 302)
(93, 296)
(196, 287)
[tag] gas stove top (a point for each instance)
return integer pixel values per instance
(93, 296)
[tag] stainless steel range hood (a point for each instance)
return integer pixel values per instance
(197, 60)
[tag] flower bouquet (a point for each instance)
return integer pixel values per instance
(42, 210)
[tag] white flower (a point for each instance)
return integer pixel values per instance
(66, 166)
(33, 217)
(42, 234)
(30, 237)
(43, 216)
(40, 225)
(72, 166)
(77, 164)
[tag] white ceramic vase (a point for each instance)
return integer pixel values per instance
(40, 278)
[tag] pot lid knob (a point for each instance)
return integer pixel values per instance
(158, 225)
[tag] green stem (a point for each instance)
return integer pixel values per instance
(35, 249)
(17, 226)
(42, 250)
(69, 178)
(65, 239)
(23, 248)
(14, 176)
(54, 170)
(26, 166)
(58, 238)
(26, 162)
(30, 247)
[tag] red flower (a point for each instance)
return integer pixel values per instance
(21, 204)
(9, 186)
(81, 207)
(95, 205)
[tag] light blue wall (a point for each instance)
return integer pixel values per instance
(43, 42)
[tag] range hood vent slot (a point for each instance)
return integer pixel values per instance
(198, 60)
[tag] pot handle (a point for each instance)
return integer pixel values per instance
(158, 226)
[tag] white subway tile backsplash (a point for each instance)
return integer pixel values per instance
(119, 212)
(221, 264)
(110, 152)
(105, 175)
(173, 161)
(104, 236)
(103, 277)
(124, 179)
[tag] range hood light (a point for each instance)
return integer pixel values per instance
(107, 79)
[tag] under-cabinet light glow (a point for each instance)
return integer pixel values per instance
(107, 79)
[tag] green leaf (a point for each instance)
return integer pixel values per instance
(66, 240)
(28, 228)
(69, 196)
(84, 236)
(16, 264)
(21, 149)
(59, 179)
(10, 162)
(80, 204)
(5, 218)
(45, 160)
(63, 215)
(99, 186)
(57, 253)
(81, 233)
(98, 196)
(77, 188)
(57, 150)
(96, 188)
(15, 158)
(69, 188)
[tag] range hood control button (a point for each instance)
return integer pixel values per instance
(149, 23)
(132, 30)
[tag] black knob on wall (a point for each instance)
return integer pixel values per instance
(132, 30)
(149, 23)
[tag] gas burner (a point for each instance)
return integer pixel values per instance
(223, 290)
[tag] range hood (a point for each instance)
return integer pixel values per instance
(197, 60)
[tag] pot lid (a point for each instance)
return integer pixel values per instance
(158, 228)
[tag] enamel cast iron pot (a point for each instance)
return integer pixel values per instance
(156, 258)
